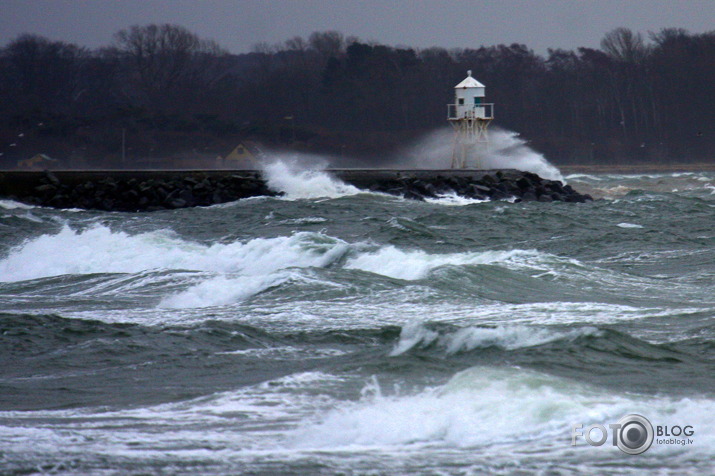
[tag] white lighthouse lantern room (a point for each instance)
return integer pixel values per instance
(470, 117)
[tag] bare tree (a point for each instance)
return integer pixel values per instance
(47, 73)
(623, 45)
(165, 61)
(327, 43)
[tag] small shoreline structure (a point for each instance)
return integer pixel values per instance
(146, 190)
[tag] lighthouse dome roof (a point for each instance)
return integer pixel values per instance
(469, 82)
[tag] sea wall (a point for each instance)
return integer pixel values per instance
(147, 190)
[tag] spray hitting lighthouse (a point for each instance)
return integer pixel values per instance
(470, 116)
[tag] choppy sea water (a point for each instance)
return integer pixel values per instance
(332, 331)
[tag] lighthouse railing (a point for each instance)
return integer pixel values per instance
(456, 112)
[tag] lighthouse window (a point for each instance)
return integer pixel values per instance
(461, 101)
(477, 100)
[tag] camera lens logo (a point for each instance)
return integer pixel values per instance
(635, 434)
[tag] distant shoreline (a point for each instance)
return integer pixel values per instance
(639, 168)
(636, 168)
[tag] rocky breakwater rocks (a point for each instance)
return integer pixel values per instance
(139, 191)
(492, 185)
(132, 194)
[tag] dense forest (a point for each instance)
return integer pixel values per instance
(161, 92)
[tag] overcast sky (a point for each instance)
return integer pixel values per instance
(237, 25)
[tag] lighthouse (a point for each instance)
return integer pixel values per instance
(470, 117)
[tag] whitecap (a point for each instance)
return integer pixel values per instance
(454, 200)
(508, 337)
(485, 406)
(12, 205)
(412, 265)
(298, 182)
(101, 250)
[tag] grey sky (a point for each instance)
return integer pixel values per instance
(239, 24)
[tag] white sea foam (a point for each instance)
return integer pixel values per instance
(235, 270)
(454, 200)
(286, 352)
(502, 411)
(12, 205)
(213, 428)
(302, 221)
(412, 335)
(628, 225)
(507, 337)
(100, 250)
(584, 177)
(411, 265)
(493, 406)
(476, 407)
(24, 215)
(301, 182)
(222, 290)
(224, 273)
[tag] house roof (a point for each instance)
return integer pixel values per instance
(469, 82)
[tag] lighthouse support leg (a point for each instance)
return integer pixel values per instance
(470, 138)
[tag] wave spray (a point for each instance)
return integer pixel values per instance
(505, 151)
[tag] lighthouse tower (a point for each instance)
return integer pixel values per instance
(470, 116)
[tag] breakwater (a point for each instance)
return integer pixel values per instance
(147, 190)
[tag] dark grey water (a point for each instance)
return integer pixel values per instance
(330, 331)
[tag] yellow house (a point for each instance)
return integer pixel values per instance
(243, 157)
(38, 162)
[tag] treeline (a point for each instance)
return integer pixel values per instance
(173, 93)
